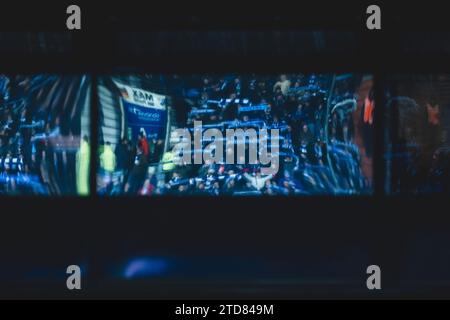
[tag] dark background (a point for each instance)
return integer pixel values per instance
(315, 247)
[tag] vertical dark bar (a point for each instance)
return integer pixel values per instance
(94, 136)
(88, 51)
(379, 163)
(383, 44)
(98, 53)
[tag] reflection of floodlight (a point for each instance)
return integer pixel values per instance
(145, 267)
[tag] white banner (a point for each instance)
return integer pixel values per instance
(142, 97)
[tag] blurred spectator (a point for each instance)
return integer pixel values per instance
(83, 160)
(283, 84)
(142, 141)
(138, 173)
(108, 159)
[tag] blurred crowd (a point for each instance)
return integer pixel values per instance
(314, 115)
(419, 146)
(40, 145)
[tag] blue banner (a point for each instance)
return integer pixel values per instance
(151, 121)
(144, 111)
